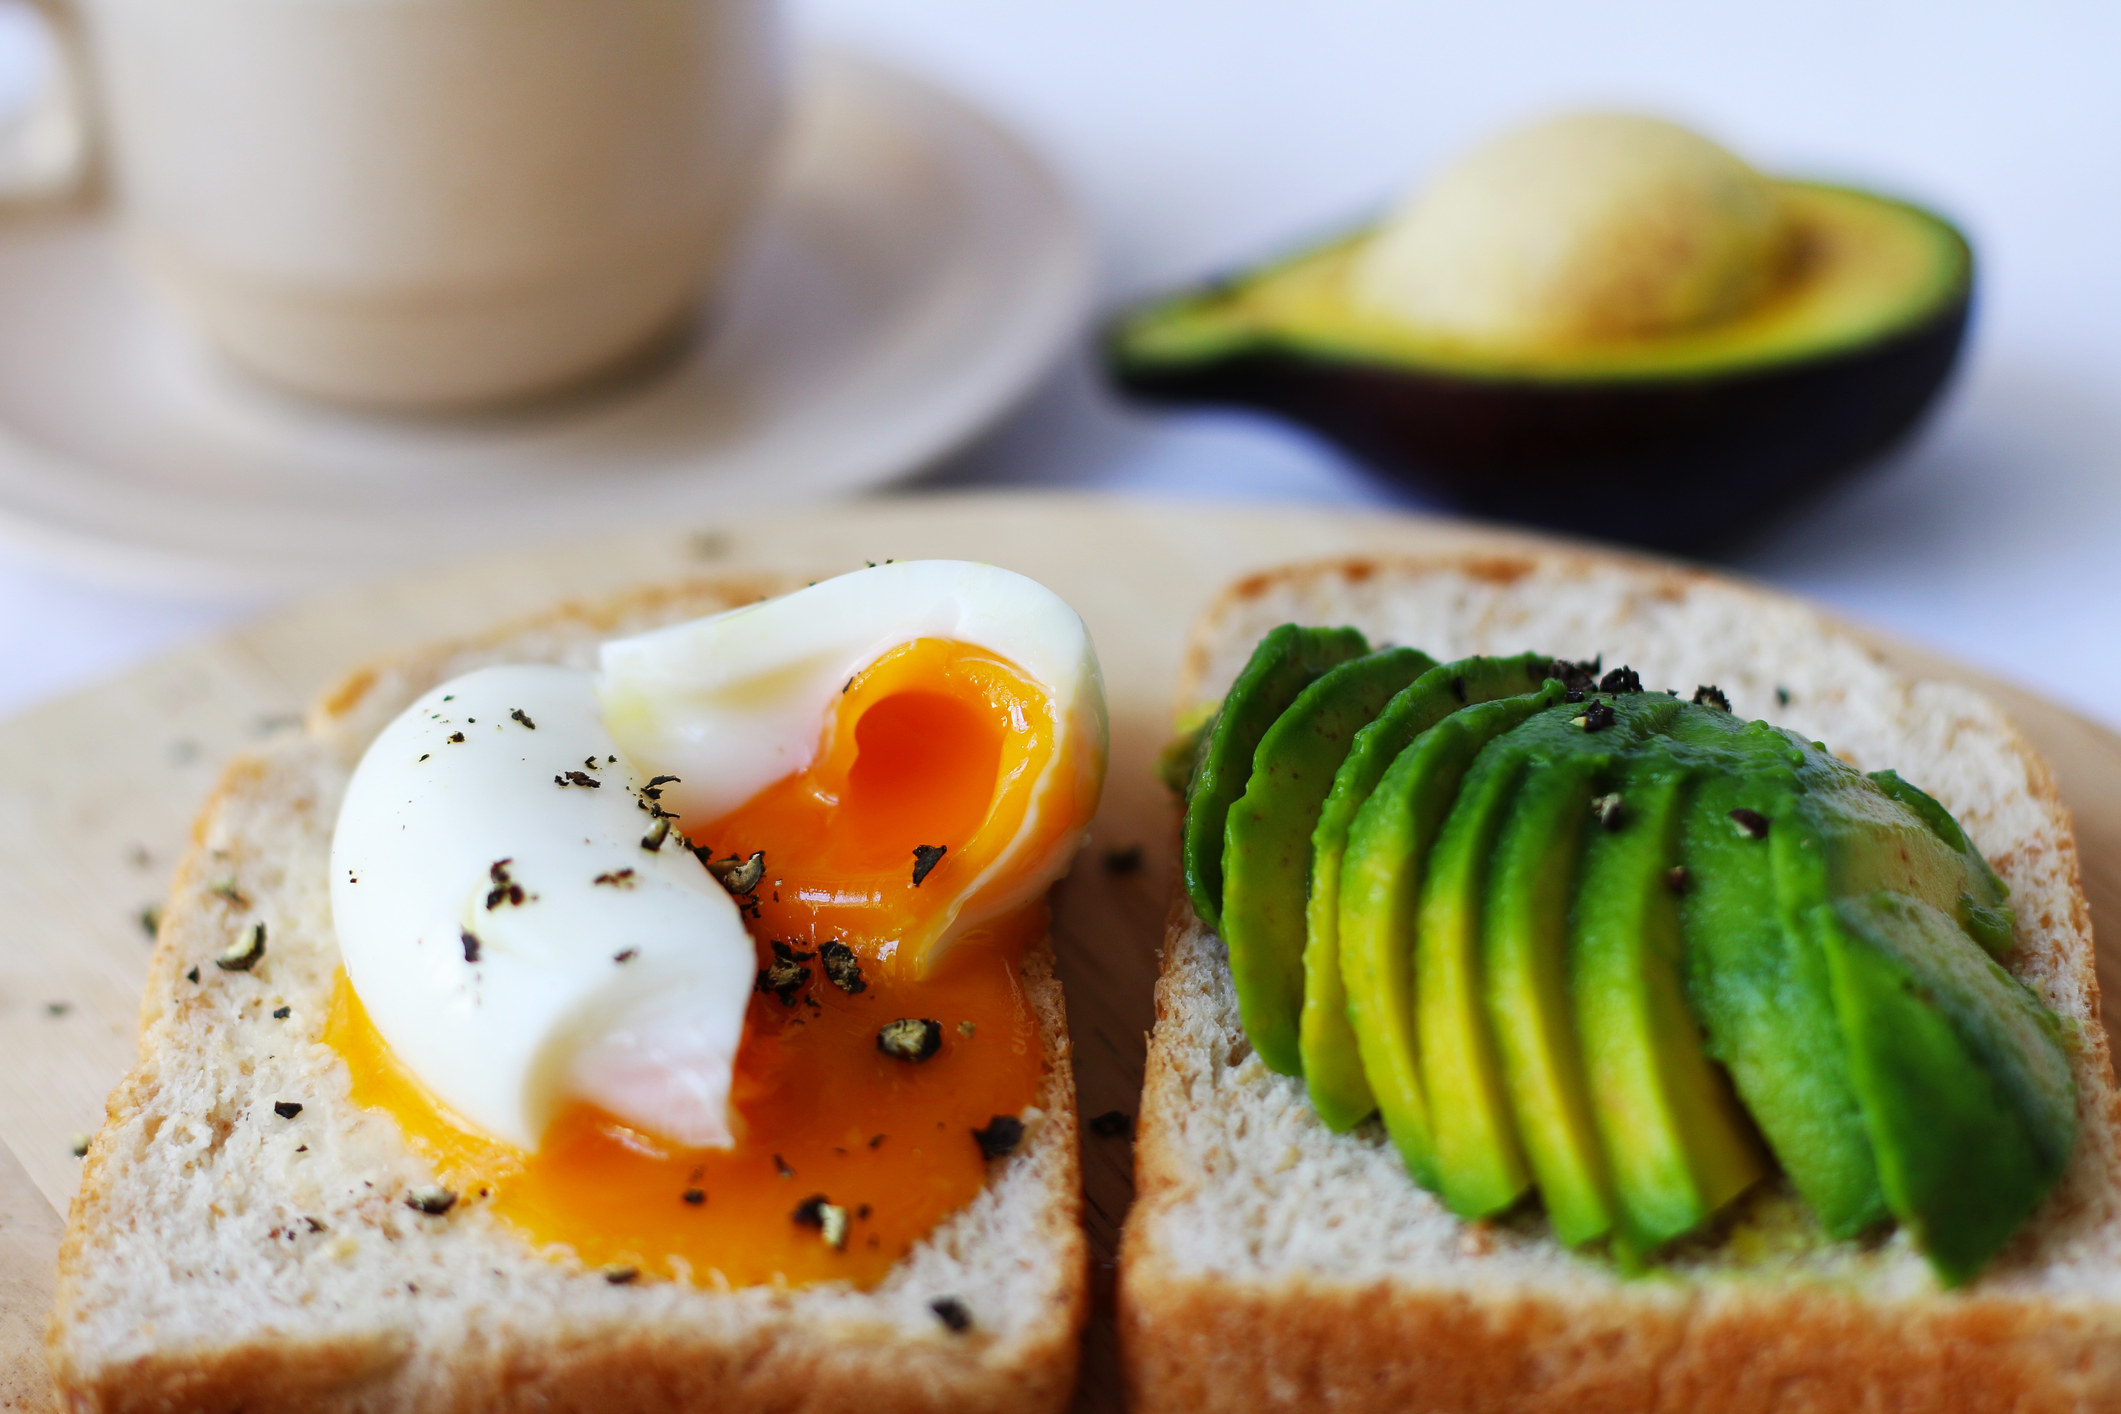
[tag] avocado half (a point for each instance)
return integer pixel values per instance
(1681, 441)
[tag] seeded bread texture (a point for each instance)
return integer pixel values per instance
(220, 1256)
(1271, 1264)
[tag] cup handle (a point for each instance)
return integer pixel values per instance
(48, 154)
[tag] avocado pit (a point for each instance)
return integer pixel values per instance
(1584, 230)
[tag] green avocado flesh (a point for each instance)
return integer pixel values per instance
(1678, 1144)
(1479, 1162)
(1381, 878)
(1267, 840)
(1332, 1060)
(1624, 952)
(1282, 665)
(1524, 953)
(1984, 909)
(1867, 268)
(1525, 979)
(1760, 989)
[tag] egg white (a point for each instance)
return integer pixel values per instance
(629, 993)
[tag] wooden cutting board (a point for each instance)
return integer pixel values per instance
(97, 792)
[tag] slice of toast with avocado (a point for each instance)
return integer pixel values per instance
(1720, 1033)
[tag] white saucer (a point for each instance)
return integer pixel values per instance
(917, 272)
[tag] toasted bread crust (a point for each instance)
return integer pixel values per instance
(651, 1348)
(1251, 1328)
(1206, 1344)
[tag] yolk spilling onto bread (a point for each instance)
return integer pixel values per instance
(823, 1113)
(936, 745)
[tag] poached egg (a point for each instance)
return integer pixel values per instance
(565, 1007)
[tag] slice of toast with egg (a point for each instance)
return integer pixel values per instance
(255, 1230)
(1271, 1263)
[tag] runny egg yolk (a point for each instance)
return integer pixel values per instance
(935, 745)
(938, 792)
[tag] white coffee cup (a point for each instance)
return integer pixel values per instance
(434, 204)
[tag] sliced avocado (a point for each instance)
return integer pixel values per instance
(1875, 835)
(1678, 1145)
(1667, 439)
(1381, 877)
(1868, 984)
(1573, 751)
(1461, 924)
(1332, 1059)
(1962, 1075)
(1282, 665)
(1755, 976)
(1479, 1161)
(1984, 904)
(1267, 841)
(1962, 1081)
(1524, 971)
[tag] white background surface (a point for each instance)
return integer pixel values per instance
(1202, 133)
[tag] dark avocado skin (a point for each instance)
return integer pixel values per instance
(1267, 841)
(1678, 464)
(1283, 664)
(1333, 1068)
